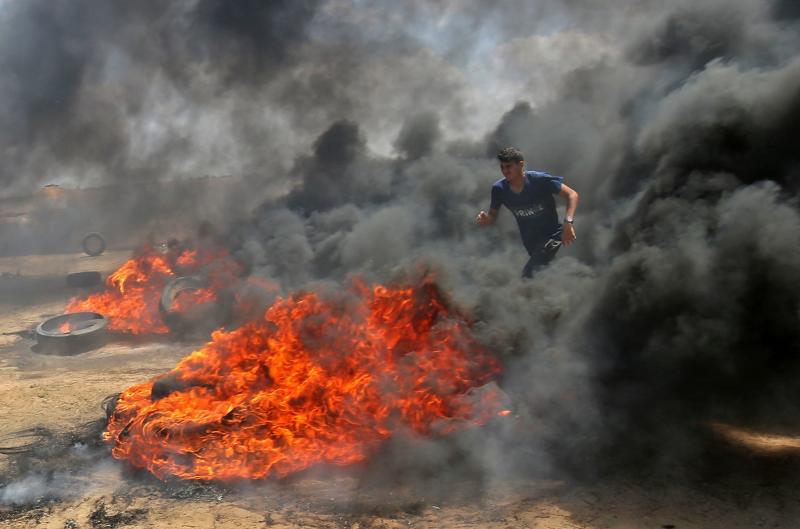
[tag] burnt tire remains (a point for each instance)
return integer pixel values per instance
(73, 333)
(93, 244)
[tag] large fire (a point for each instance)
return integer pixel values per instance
(314, 380)
(132, 293)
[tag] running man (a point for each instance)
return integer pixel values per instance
(529, 196)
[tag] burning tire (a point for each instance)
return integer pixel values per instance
(72, 333)
(84, 279)
(182, 318)
(174, 288)
(93, 244)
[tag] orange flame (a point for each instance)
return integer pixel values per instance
(312, 381)
(131, 298)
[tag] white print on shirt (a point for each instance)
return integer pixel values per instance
(529, 212)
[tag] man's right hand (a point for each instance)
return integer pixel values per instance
(483, 219)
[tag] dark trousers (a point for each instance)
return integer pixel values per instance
(540, 255)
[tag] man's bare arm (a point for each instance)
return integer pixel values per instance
(572, 199)
(568, 232)
(486, 219)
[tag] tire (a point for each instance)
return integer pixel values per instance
(173, 288)
(177, 322)
(88, 331)
(93, 244)
(84, 279)
(196, 320)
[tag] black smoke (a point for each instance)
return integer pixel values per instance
(78, 73)
(677, 307)
(677, 123)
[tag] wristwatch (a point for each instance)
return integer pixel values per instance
(569, 219)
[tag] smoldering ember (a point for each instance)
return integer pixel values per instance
(400, 264)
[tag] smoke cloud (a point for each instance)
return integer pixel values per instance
(367, 134)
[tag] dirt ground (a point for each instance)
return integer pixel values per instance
(59, 392)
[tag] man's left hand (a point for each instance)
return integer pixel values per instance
(568, 234)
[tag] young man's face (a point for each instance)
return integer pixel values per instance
(512, 170)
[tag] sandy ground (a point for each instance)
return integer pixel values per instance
(59, 392)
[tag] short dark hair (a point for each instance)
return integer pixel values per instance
(510, 154)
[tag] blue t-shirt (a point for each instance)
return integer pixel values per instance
(534, 207)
